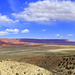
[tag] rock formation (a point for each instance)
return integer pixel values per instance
(19, 68)
(8, 42)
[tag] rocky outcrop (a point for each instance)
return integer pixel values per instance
(1, 43)
(19, 68)
(10, 40)
(16, 42)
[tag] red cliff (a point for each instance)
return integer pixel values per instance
(12, 42)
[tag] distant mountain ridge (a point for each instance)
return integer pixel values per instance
(29, 41)
(48, 41)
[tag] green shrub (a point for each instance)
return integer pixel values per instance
(70, 72)
(73, 63)
(72, 67)
(68, 68)
(70, 63)
(24, 72)
(17, 74)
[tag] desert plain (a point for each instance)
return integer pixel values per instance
(43, 59)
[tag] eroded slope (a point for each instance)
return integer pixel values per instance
(19, 68)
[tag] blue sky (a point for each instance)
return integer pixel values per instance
(43, 19)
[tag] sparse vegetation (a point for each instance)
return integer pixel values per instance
(17, 74)
(54, 60)
(24, 72)
(69, 72)
(21, 68)
(59, 64)
(68, 68)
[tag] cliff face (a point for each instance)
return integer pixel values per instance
(16, 42)
(48, 41)
(36, 40)
(1, 43)
(9, 42)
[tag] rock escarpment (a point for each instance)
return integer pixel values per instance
(12, 42)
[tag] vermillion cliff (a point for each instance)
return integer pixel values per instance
(11, 42)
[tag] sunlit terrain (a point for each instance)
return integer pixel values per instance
(44, 50)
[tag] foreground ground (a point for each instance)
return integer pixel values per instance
(20, 68)
(58, 59)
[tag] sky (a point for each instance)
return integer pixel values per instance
(39, 19)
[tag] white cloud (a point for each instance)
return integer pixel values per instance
(13, 30)
(4, 19)
(3, 33)
(48, 10)
(44, 30)
(58, 35)
(9, 31)
(70, 35)
(25, 31)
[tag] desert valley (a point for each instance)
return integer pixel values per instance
(43, 56)
(37, 37)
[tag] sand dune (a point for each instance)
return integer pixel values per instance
(19, 68)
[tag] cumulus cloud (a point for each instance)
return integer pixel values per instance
(9, 31)
(13, 30)
(3, 33)
(48, 10)
(58, 35)
(4, 19)
(25, 31)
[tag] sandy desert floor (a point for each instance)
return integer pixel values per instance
(44, 50)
